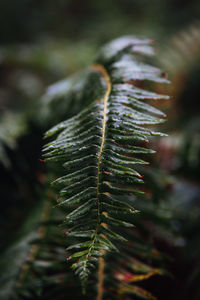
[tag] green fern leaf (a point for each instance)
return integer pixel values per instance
(100, 149)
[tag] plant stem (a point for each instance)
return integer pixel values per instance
(106, 77)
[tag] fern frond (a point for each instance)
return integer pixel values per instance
(22, 252)
(182, 51)
(100, 149)
(180, 56)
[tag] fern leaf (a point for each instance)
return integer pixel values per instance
(100, 149)
(16, 260)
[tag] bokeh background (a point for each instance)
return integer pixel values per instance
(42, 42)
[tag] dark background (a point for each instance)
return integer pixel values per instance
(45, 41)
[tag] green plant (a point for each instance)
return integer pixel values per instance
(98, 148)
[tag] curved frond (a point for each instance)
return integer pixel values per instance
(101, 149)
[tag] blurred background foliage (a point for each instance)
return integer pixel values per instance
(42, 42)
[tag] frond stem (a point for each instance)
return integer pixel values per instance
(106, 77)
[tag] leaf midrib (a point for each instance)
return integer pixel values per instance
(106, 77)
(99, 68)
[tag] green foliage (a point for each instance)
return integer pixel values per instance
(12, 125)
(102, 148)
(13, 262)
(46, 41)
